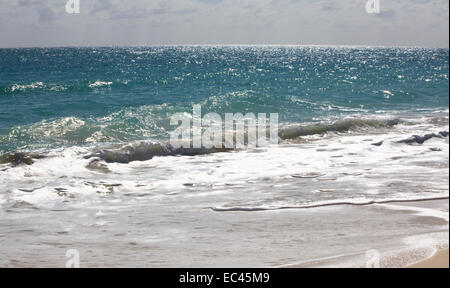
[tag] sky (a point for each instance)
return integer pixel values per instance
(45, 23)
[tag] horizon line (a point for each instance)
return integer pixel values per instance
(226, 45)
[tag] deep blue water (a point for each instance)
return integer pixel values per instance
(75, 96)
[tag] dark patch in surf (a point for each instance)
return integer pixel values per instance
(378, 143)
(97, 165)
(31, 190)
(307, 175)
(434, 149)
(415, 139)
(109, 187)
(20, 204)
(63, 192)
(17, 158)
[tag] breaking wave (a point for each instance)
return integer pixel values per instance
(142, 151)
(344, 125)
(144, 123)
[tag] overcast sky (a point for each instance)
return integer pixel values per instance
(154, 22)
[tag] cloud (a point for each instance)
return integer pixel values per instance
(386, 14)
(142, 22)
(46, 14)
(101, 6)
(27, 3)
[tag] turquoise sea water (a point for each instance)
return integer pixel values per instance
(56, 97)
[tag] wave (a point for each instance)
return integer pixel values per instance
(18, 87)
(344, 125)
(56, 87)
(141, 123)
(129, 129)
(142, 151)
(127, 124)
(99, 84)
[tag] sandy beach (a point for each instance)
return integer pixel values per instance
(439, 260)
(427, 222)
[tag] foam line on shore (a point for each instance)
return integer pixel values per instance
(427, 212)
(373, 202)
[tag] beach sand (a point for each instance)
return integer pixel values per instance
(417, 247)
(439, 260)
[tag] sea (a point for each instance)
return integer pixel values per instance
(85, 161)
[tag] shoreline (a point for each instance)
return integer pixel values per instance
(428, 254)
(440, 259)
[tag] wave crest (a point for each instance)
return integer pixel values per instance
(344, 125)
(142, 151)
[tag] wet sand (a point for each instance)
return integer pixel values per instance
(414, 248)
(439, 260)
(394, 235)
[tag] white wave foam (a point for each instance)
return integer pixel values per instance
(347, 167)
(23, 87)
(97, 84)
